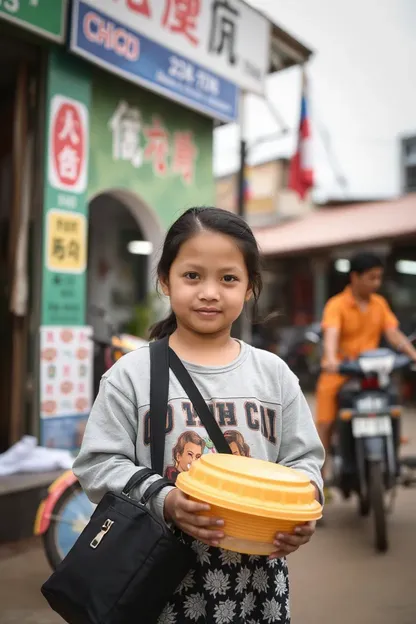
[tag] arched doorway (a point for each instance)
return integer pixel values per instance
(125, 238)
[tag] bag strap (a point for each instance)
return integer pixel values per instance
(154, 489)
(138, 478)
(159, 394)
(202, 409)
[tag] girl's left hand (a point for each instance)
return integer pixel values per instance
(286, 544)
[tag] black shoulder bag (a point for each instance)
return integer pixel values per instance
(126, 564)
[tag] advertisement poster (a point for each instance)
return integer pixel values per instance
(66, 392)
(65, 205)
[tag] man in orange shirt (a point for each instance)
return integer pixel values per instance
(354, 321)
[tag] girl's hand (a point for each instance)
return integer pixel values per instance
(185, 514)
(287, 544)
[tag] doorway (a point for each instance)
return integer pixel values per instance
(121, 256)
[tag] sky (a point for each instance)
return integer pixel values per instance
(362, 93)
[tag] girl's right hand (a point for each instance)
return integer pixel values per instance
(185, 514)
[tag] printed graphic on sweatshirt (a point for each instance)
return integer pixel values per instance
(237, 443)
(243, 414)
(190, 447)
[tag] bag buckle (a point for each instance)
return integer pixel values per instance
(104, 530)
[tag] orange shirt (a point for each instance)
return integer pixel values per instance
(359, 330)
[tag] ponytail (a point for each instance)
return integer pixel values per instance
(163, 328)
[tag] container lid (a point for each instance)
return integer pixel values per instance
(252, 486)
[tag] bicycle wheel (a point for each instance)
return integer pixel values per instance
(68, 519)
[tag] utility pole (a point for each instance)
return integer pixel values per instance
(242, 327)
(241, 200)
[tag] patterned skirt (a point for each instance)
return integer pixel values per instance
(229, 588)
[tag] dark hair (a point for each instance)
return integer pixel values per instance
(190, 223)
(365, 261)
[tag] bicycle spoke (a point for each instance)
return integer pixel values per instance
(60, 520)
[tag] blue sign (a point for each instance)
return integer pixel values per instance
(110, 44)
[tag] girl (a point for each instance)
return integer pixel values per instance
(209, 268)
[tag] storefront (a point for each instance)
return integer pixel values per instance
(122, 164)
(108, 109)
(112, 139)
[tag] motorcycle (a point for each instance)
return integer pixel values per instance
(366, 442)
(65, 509)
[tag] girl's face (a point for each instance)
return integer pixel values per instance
(208, 283)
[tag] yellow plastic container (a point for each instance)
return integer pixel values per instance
(255, 498)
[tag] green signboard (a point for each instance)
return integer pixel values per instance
(46, 17)
(65, 204)
(156, 150)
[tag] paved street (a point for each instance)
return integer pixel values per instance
(337, 579)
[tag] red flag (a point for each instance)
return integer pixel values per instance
(300, 171)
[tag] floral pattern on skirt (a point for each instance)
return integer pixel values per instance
(230, 588)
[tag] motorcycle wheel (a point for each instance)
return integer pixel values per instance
(69, 517)
(376, 487)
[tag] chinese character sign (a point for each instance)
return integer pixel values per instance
(66, 241)
(126, 125)
(182, 17)
(142, 7)
(68, 143)
(159, 153)
(227, 37)
(65, 197)
(157, 146)
(185, 153)
(224, 30)
(117, 46)
(168, 153)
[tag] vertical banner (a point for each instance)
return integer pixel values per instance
(65, 205)
(65, 227)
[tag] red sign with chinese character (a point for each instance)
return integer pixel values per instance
(139, 6)
(180, 17)
(157, 147)
(185, 153)
(68, 145)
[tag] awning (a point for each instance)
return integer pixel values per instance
(336, 226)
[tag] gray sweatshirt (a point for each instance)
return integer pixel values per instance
(256, 400)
